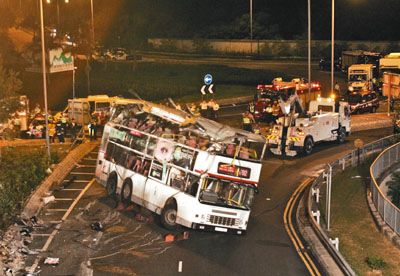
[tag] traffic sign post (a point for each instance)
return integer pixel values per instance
(207, 79)
(208, 87)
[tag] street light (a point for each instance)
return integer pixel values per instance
(44, 78)
(309, 50)
(251, 26)
(333, 45)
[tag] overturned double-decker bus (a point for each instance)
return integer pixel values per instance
(189, 170)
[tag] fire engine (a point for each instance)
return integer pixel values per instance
(298, 131)
(270, 94)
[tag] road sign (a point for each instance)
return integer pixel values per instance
(208, 79)
(202, 90)
(210, 89)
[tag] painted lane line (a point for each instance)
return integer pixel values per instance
(292, 235)
(77, 181)
(81, 173)
(86, 166)
(64, 199)
(58, 226)
(180, 266)
(39, 235)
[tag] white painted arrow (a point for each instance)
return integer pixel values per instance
(202, 90)
(210, 89)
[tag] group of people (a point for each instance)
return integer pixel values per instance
(207, 109)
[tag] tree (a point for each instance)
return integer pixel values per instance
(394, 188)
(10, 85)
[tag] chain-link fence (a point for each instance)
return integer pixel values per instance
(319, 196)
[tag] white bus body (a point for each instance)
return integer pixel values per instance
(209, 185)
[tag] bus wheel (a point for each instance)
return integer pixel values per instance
(111, 186)
(168, 217)
(126, 192)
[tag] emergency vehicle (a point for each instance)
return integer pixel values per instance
(269, 94)
(361, 77)
(298, 131)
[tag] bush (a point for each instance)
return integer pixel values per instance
(375, 262)
(21, 171)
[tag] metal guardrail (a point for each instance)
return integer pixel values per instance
(388, 211)
(319, 188)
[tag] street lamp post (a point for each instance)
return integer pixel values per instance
(309, 50)
(251, 26)
(44, 79)
(333, 45)
(91, 9)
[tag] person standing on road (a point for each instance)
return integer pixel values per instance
(93, 128)
(60, 132)
(72, 129)
(248, 120)
(337, 88)
(216, 111)
(203, 108)
(252, 108)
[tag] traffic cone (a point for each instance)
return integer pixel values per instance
(120, 207)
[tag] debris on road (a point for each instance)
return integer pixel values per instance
(179, 237)
(48, 199)
(97, 226)
(51, 261)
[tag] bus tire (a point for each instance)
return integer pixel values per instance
(126, 192)
(168, 216)
(111, 186)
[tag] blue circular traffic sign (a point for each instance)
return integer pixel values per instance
(207, 79)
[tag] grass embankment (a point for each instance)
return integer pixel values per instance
(352, 222)
(22, 169)
(158, 81)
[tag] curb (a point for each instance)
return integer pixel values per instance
(382, 226)
(34, 203)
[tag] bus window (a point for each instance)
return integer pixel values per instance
(192, 184)
(120, 155)
(151, 146)
(109, 152)
(159, 171)
(177, 179)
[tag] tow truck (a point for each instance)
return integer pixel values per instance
(268, 94)
(298, 131)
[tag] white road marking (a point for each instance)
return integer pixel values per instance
(77, 181)
(63, 199)
(58, 226)
(180, 266)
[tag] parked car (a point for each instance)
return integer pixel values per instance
(37, 128)
(325, 64)
(364, 101)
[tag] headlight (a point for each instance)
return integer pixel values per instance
(351, 89)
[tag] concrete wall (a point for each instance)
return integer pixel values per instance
(268, 47)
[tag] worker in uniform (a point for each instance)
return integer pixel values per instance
(210, 110)
(216, 111)
(257, 129)
(60, 131)
(72, 129)
(52, 131)
(247, 121)
(203, 108)
(193, 108)
(37, 109)
(275, 112)
(64, 122)
(49, 115)
(268, 113)
(17, 125)
(252, 108)
(178, 106)
(93, 128)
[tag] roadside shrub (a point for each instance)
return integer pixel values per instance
(375, 262)
(21, 171)
(394, 188)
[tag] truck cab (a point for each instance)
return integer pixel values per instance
(361, 77)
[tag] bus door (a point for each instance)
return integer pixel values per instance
(157, 189)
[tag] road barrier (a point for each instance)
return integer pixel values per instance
(321, 187)
(382, 164)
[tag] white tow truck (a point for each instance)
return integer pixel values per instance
(298, 131)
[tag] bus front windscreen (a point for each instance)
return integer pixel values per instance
(225, 193)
